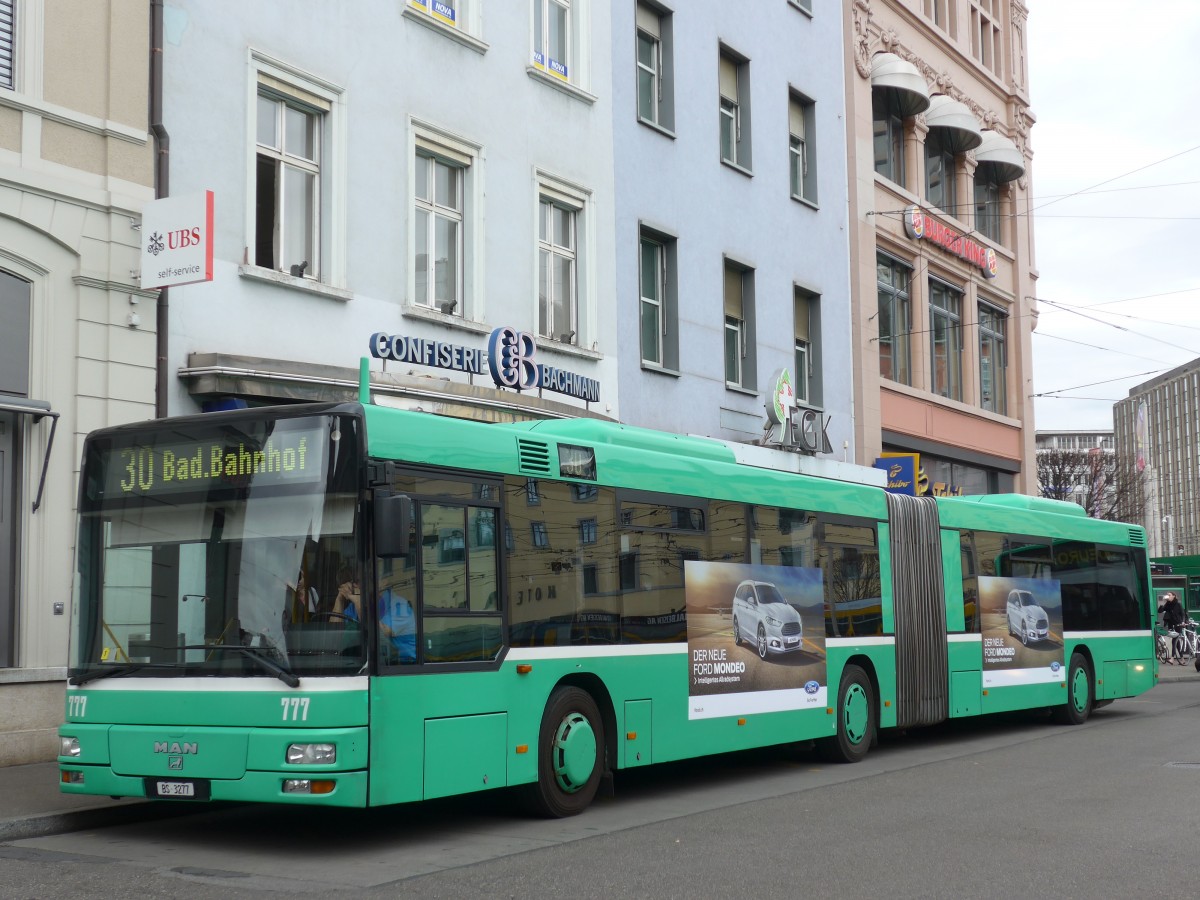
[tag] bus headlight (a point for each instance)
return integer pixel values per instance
(68, 746)
(311, 754)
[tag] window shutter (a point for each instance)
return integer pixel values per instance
(442, 151)
(284, 89)
(733, 293)
(729, 79)
(796, 118)
(648, 21)
(7, 42)
(801, 314)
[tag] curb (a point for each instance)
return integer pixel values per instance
(36, 826)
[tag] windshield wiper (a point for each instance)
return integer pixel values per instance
(104, 672)
(263, 662)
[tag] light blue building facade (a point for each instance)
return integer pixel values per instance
(732, 256)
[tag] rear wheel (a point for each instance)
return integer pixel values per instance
(570, 755)
(855, 712)
(737, 633)
(1079, 692)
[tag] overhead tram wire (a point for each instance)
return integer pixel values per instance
(1148, 337)
(1058, 337)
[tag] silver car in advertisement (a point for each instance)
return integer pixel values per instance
(764, 619)
(1026, 618)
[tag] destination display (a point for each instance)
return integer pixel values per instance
(292, 456)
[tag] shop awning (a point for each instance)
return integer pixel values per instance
(959, 128)
(36, 410)
(902, 81)
(999, 159)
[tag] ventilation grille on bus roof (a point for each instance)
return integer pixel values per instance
(533, 457)
(1137, 537)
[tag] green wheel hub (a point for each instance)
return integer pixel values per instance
(574, 752)
(1079, 689)
(855, 713)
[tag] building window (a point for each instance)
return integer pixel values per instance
(987, 207)
(993, 359)
(652, 320)
(895, 319)
(587, 531)
(658, 303)
(287, 220)
(889, 136)
(807, 317)
(945, 340)
(734, 83)
(943, 14)
(7, 43)
(986, 45)
(560, 42)
(438, 233)
(940, 183)
(539, 535)
(655, 87)
(459, 15)
(443, 226)
(556, 271)
(805, 5)
(802, 147)
(739, 326)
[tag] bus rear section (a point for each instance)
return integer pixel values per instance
(218, 650)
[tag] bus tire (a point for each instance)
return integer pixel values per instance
(1080, 694)
(570, 755)
(855, 713)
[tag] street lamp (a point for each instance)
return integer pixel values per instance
(1170, 543)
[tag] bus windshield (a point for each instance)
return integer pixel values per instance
(220, 547)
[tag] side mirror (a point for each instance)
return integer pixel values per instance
(393, 522)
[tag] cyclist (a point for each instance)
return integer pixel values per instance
(1172, 619)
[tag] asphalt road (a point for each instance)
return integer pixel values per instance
(1003, 807)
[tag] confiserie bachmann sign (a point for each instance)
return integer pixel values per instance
(923, 227)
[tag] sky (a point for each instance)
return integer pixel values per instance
(1115, 186)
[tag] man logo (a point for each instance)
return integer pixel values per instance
(174, 762)
(186, 748)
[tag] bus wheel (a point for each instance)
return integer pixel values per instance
(570, 755)
(1079, 693)
(855, 712)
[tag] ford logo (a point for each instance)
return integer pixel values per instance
(811, 687)
(1055, 666)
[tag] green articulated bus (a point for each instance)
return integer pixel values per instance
(352, 605)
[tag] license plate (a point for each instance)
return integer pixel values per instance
(176, 789)
(793, 640)
(179, 788)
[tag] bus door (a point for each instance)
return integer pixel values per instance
(439, 610)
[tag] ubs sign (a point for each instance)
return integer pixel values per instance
(511, 359)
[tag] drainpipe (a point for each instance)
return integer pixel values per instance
(162, 168)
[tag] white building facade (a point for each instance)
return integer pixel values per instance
(426, 171)
(76, 330)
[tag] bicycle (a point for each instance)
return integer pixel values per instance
(1162, 644)
(1186, 643)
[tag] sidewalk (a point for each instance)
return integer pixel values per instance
(31, 804)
